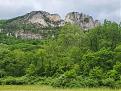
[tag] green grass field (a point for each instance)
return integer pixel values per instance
(46, 88)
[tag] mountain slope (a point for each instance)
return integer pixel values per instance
(41, 24)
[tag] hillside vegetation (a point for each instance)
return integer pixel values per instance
(73, 58)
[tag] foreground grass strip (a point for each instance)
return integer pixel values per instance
(47, 88)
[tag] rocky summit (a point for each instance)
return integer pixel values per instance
(84, 21)
(45, 19)
(42, 18)
(40, 24)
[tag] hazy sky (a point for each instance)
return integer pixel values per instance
(99, 9)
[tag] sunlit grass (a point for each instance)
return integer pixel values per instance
(47, 88)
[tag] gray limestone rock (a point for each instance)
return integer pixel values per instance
(84, 21)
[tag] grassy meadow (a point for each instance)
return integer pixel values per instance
(46, 88)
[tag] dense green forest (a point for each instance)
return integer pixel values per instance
(74, 58)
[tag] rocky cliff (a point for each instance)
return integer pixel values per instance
(41, 18)
(45, 19)
(84, 21)
(37, 24)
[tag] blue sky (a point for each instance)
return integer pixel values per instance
(99, 9)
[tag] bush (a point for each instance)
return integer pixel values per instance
(68, 79)
(89, 82)
(44, 81)
(63, 81)
(109, 82)
(13, 81)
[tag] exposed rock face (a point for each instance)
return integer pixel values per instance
(35, 25)
(44, 19)
(38, 19)
(54, 17)
(27, 35)
(84, 21)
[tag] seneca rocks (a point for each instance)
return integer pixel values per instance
(43, 19)
(84, 21)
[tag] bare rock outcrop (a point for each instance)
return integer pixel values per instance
(43, 18)
(38, 24)
(84, 21)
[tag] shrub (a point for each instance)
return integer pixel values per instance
(44, 81)
(13, 81)
(68, 79)
(89, 82)
(109, 82)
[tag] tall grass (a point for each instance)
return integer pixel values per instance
(46, 88)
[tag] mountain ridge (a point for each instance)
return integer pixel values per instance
(37, 24)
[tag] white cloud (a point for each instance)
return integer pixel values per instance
(100, 9)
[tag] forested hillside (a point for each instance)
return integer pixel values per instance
(72, 58)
